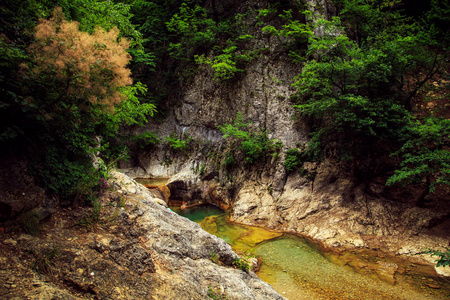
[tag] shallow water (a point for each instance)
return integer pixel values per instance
(152, 182)
(297, 269)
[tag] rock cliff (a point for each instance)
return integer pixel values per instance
(325, 203)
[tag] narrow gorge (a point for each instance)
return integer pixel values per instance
(326, 202)
(308, 139)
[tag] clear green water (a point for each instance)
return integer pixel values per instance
(298, 270)
(198, 213)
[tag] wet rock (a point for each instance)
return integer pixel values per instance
(433, 286)
(386, 271)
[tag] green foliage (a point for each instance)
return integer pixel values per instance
(368, 18)
(195, 29)
(224, 65)
(200, 169)
(258, 145)
(235, 129)
(254, 146)
(133, 111)
(295, 31)
(444, 257)
(197, 34)
(425, 155)
(91, 185)
(167, 161)
(364, 71)
(92, 219)
(438, 18)
(178, 144)
(102, 13)
(49, 115)
(228, 160)
(242, 264)
(10, 58)
(45, 261)
(215, 293)
(214, 257)
(89, 189)
(265, 13)
(299, 33)
(294, 160)
(358, 93)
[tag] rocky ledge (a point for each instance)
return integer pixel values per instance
(331, 208)
(136, 249)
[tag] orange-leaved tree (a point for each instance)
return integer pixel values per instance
(78, 92)
(78, 68)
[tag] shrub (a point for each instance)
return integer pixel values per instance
(177, 144)
(45, 261)
(444, 257)
(214, 257)
(224, 65)
(293, 160)
(242, 264)
(254, 145)
(229, 160)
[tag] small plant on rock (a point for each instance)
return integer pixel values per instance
(242, 264)
(214, 293)
(178, 144)
(294, 160)
(444, 257)
(254, 145)
(214, 257)
(45, 261)
(145, 140)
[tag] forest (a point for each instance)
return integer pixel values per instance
(372, 84)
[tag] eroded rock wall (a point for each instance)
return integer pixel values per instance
(326, 203)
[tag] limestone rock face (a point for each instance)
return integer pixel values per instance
(325, 203)
(184, 186)
(336, 211)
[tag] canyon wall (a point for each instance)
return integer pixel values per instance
(325, 202)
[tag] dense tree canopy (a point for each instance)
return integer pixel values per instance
(66, 77)
(66, 91)
(367, 70)
(77, 64)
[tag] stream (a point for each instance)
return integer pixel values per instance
(297, 268)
